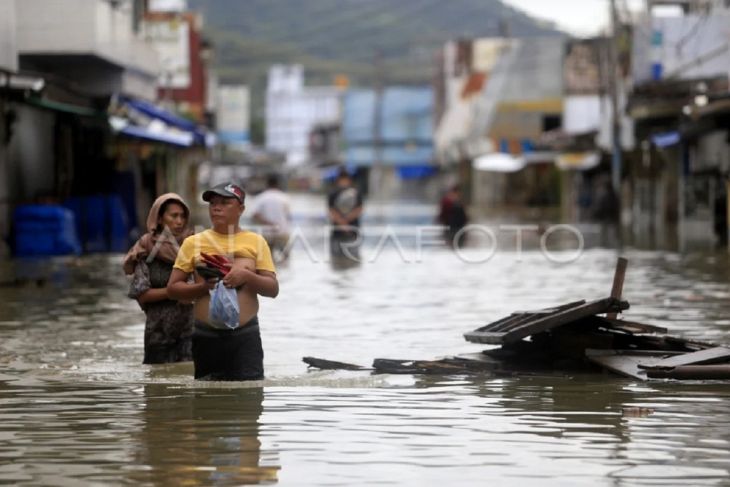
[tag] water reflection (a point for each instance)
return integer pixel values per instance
(206, 436)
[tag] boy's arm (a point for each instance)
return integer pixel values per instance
(179, 289)
(260, 282)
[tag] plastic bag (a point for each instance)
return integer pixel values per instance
(223, 306)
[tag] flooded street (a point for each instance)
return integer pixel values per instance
(77, 406)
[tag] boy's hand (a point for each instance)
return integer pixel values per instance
(237, 277)
(209, 284)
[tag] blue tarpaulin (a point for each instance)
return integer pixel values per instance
(416, 172)
(147, 121)
(180, 139)
(153, 111)
(666, 139)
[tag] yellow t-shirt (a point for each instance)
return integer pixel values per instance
(243, 244)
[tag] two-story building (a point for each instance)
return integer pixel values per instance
(496, 99)
(681, 106)
(8, 67)
(82, 123)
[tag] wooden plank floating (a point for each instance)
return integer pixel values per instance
(627, 362)
(618, 282)
(517, 327)
(631, 327)
(715, 354)
(692, 372)
(323, 364)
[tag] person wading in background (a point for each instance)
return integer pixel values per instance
(452, 215)
(272, 210)
(345, 209)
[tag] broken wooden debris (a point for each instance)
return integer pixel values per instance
(323, 364)
(618, 283)
(691, 372)
(630, 327)
(571, 337)
(449, 365)
(706, 356)
(627, 362)
(521, 325)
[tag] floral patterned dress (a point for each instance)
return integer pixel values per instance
(169, 326)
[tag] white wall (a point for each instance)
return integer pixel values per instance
(582, 113)
(293, 110)
(713, 152)
(92, 27)
(291, 117)
(168, 5)
(691, 46)
(233, 116)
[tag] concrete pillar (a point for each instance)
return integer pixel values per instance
(727, 195)
(4, 190)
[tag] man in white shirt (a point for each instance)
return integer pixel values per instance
(272, 210)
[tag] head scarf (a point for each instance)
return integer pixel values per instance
(156, 244)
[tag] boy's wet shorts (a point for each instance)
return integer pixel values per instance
(228, 354)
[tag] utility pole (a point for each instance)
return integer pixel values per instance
(376, 180)
(614, 82)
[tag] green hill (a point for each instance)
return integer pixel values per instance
(331, 37)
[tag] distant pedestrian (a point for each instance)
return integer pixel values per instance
(345, 210)
(272, 209)
(169, 324)
(720, 218)
(607, 203)
(452, 215)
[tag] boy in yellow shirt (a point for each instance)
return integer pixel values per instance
(219, 352)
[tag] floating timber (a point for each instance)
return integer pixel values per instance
(580, 336)
(517, 326)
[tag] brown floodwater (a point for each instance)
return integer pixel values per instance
(77, 407)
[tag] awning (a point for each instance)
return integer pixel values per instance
(498, 162)
(144, 120)
(154, 132)
(34, 90)
(63, 107)
(578, 161)
(666, 139)
(153, 111)
(22, 82)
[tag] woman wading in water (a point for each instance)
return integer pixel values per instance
(169, 325)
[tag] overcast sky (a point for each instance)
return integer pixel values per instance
(579, 17)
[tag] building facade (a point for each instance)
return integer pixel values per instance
(293, 110)
(680, 102)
